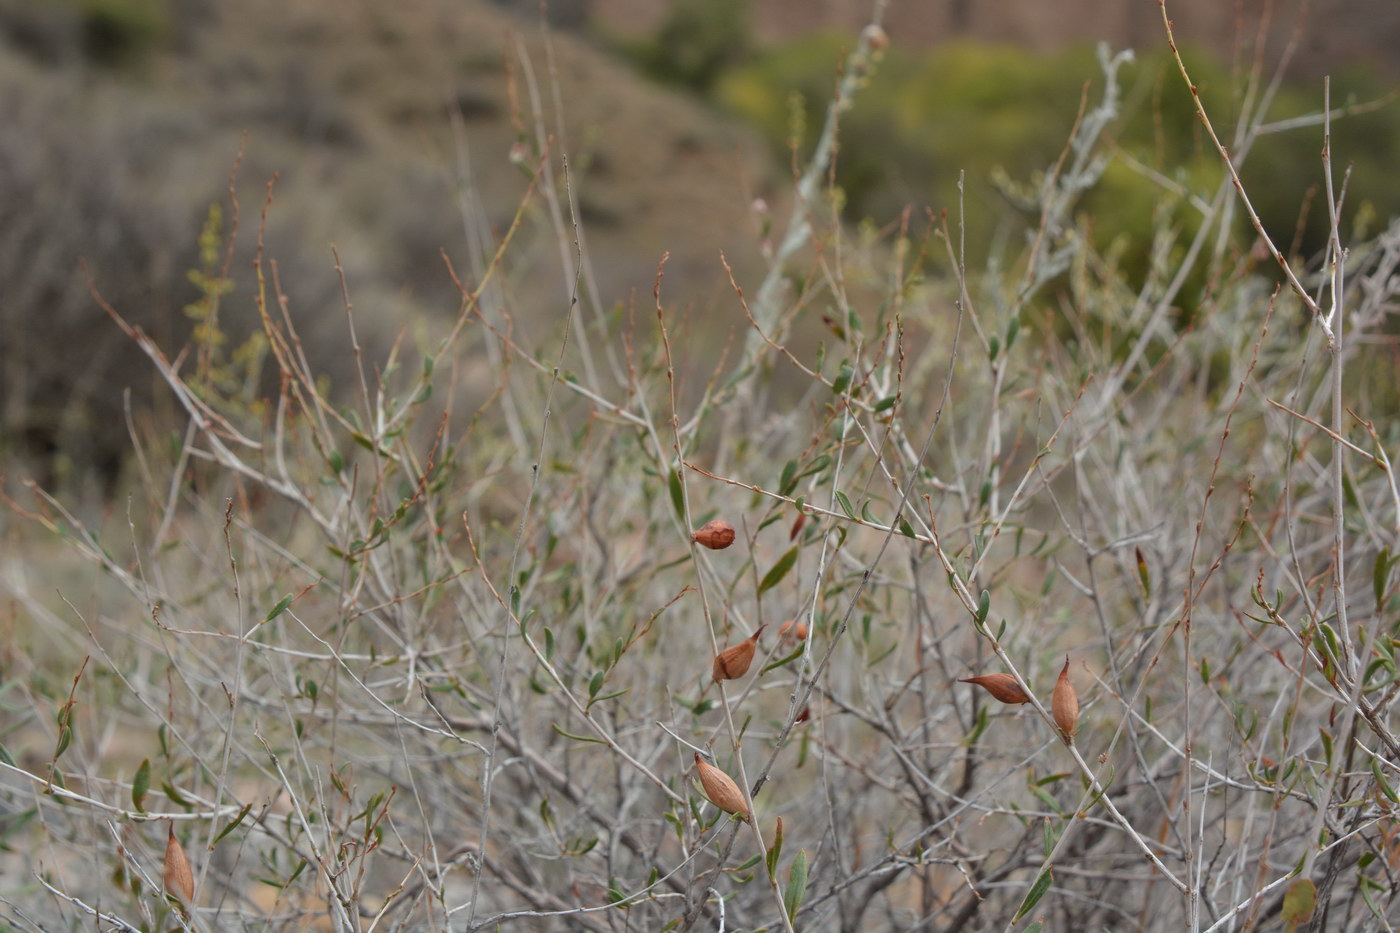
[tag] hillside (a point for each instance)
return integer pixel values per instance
(124, 133)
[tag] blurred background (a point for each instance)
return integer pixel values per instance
(389, 130)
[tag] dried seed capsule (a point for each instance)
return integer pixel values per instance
(179, 880)
(715, 535)
(1001, 686)
(733, 662)
(793, 628)
(721, 789)
(1065, 703)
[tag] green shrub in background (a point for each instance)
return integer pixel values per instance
(696, 43)
(1000, 113)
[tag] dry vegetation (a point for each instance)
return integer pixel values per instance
(395, 662)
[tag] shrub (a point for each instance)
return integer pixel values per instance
(395, 662)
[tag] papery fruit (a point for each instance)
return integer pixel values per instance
(1065, 703)
(721, 789)
(1001, 686)
(179, 879)
(715, 535)
(733, 662)
(792, 627)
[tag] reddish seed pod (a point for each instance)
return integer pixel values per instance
(1065, 702)
(721, 789)
(733, 662)
(178, 878)
(715, 535)
(1001, 686)
(793, 629)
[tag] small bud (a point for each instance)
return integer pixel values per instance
(179, 880)
(733, 662)
(793, 629)
(1065, 703)
(721, 789)
(715, 535)
(877, 38)
(1001, 686)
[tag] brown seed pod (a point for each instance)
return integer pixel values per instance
(1065, 703)
(721, 789)
(1001, 686)
(715, 535)
(733, 662)
(793, 628)
(179, 880)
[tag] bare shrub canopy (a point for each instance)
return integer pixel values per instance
(403, 664)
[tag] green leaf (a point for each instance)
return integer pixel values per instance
(595, 684)
(779, 570)
(576, 738)
(845, 504)
(885, 403)
(1299, 903)
(233, 823)
(1379, 575)
(774, 851)
(5, 757)
(905, 528)
(65, 738)
(141, 783)
(1033, 896)
(843, 378)
(796, 653)
(984, 606)
(797, 884)
(174, 794)
(1382, 782)
(677, 496)
(278, 609)
(789, 479)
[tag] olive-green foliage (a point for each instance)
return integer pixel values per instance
(1003, 115)
(695, 44)
(121, 32)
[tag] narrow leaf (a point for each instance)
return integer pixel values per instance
(233, 823)
(1033, 896)
(1379, 575)
(278, 609)
(140, 784)
(797, 884)
(779, 570)
(677, 496)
